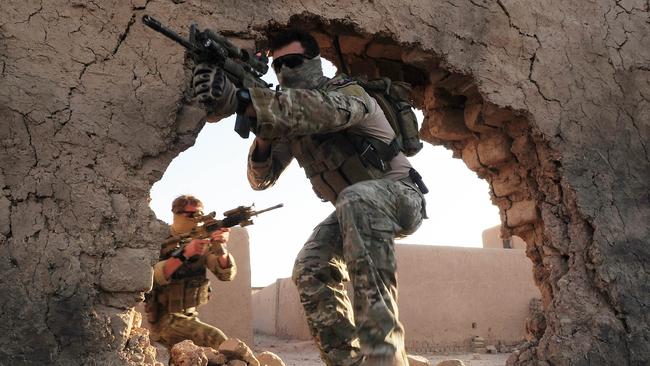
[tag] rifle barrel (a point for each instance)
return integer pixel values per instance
(269, 209)
(158, 27)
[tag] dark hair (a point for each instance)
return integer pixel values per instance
(307, 41)
(181, 201)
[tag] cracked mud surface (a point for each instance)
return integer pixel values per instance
(548, 102)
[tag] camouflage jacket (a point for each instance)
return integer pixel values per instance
(334, 106)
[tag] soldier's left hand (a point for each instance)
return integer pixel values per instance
(220, 236)
(211, 84)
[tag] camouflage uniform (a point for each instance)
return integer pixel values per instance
(171, 305)
(358, 238)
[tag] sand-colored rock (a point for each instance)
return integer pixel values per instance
(237, 363)
(267, 358)
(451, 363)
(494, 149)
(415, 360)
(138, 347)
(231, 352)
(506, 183)
(536, 321)
(186, 353)
(523, 212)
(235, 348)
(474, 119)
(447, 124)
(214, 357)
(470, 155)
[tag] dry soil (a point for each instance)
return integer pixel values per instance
(304, 353)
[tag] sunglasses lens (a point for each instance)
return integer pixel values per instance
(294, 61)
(290, 61)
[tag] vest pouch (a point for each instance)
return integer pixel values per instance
(320, 153)
(152, 306)
(173, 295)
(356, 170)
(334, 151)
(395, 100)
(401, 91)
(329, 184)
(411, 144)
(322, 189)
(197, 292)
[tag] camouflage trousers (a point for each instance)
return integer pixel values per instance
(356, 242)
(177, 327)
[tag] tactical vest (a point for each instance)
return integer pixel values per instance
(337, 160)
(189, 288)
(183, 294)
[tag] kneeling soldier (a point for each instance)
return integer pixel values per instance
(180, 283)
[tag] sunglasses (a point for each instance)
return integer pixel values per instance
(290, 60)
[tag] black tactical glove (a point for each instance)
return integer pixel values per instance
(208, 82)
(213, 89)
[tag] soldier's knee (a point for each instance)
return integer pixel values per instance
(352, 192)
(304, 272)
(350, 197)
(310, 276)
(297, 273)
(304, 275)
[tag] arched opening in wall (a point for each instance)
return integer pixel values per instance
(459, 207)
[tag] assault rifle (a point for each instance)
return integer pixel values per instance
(207, 224)
(242, 67)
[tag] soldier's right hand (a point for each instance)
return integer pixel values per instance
(195, 247)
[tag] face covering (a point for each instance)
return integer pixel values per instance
(182, 224)
(305, 76)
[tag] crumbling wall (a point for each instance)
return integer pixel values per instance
(90, 119)
(549, 102)
(492, 238)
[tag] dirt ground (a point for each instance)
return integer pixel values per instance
(304, 353)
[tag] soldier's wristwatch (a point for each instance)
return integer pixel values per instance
(178, 254)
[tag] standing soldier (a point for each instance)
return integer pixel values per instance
(343, 141)
(180, 283)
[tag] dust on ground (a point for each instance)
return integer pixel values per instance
(304, 353)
